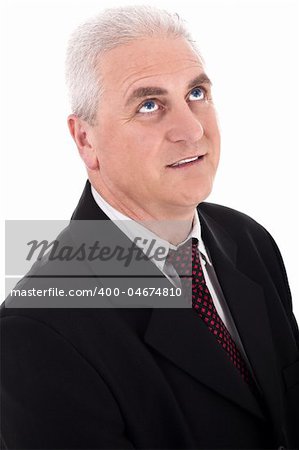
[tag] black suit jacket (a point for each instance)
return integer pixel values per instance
(152, 378)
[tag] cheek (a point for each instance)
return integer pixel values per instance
(142, 144)
(119, 156)
(212, 132)
(110, 145)
(131, 147)
(211, 120)
(144, 137)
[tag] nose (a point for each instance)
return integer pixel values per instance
(184, 125)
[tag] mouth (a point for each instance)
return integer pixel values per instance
(186, 162)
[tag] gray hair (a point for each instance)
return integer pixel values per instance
(111, 28)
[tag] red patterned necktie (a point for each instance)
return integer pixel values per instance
(186, 260)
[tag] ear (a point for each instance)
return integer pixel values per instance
(81, 133)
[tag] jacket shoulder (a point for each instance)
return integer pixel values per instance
(235, 223)
(249, 236)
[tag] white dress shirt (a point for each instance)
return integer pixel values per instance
(149, 242)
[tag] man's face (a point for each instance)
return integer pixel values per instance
(156, 111)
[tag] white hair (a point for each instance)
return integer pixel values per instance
(111, 28)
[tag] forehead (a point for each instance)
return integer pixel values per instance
(162, 61)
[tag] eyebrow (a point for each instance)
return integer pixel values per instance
(200, 79)
(142, 92)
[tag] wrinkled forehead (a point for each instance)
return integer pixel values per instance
(148, 60)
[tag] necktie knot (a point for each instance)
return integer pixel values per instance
(184, 257)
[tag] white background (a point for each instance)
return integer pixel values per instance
(251, 49)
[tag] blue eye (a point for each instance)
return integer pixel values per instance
(197, 94)
(148, 107)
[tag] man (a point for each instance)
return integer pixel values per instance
(221, 373)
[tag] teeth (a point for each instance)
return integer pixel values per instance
(183, 161)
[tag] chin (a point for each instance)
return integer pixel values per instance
(198, 197)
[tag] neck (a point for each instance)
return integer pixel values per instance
(171, 225)
(174, 231)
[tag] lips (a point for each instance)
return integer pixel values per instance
(186, 161)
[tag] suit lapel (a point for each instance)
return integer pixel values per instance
(246, 301)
